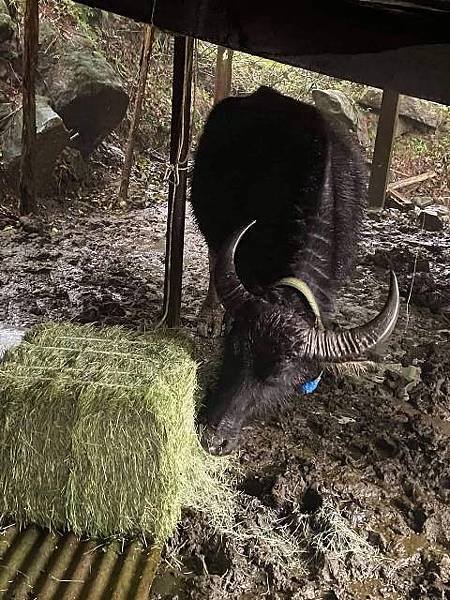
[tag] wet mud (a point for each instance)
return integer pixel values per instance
(373, 448)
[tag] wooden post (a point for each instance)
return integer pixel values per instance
(27, 183)
(12, 8)
(222, 81)
(382, 153)
(147, 44)
(179, 149)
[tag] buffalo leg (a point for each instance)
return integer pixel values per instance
(211, 313)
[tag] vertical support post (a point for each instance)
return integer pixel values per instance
(382, 153)
(222, 80)
(27, 182)
(179, 149)
(146, 51)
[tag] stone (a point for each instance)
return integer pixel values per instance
(10, 337)
(403, 204)
(113, 154)
(31, 224)
(414, 113)
(400, 260)
(442, 209)
(78, 167)
(6, 110)
(401, 380)
(6, 23)
(422, 201)
(431, 220)
(87, 93)
(51, 138)
(339, 106)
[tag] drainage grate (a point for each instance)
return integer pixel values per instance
(36, 564)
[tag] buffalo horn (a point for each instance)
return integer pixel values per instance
(231, 292)
(340, 346)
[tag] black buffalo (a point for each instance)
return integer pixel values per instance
(278, 192)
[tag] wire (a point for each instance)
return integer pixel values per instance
(413, 279)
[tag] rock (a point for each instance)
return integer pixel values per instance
(31, 224)
(422, 201)
(444, 567)
(52, 137)
(6, 109)
(431, 220)
(88, 95)
(414, 113)
(113, 154)
(4, 68)
(78, 167)
(401, 380)
(10, 337)
(401, 260)
(6, 23)
(339, 106)
(444, 125)
(398, 202)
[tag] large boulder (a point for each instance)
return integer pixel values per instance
(339, 106)
(51, 138)
(87, 93)
(6, 23)
(414, 114)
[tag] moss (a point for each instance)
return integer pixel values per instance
(6, 26)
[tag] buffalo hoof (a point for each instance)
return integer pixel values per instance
(210, 320)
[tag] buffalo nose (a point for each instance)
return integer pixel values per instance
(219, 442)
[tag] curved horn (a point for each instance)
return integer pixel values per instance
(231, 291)
(343, 345)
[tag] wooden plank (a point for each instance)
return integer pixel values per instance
(383, 150)
(179, 150)
(398, 185)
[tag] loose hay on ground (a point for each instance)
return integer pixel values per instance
(97, 433)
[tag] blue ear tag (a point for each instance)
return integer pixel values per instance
(310, 386)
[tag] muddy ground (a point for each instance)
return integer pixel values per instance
(372, 450)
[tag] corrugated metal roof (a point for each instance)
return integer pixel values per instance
(38, 564)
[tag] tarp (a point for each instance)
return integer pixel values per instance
(400, 44)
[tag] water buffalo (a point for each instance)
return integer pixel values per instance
(278, 193)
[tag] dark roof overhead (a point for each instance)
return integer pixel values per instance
(411, 6)
(400, 44)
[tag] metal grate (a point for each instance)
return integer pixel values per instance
(37, 564)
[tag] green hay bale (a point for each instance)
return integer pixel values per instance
(97, 433)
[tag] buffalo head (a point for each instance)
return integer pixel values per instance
(273, 346)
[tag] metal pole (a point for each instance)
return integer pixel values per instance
(382, 153)
(179, 150)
